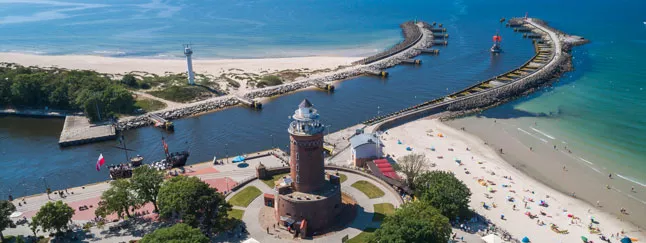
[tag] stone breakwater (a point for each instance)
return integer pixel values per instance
(143, 120)
(500, 89)
(412, 33)
(410, 50)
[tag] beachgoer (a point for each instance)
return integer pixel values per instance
(598, 204)
(267, 230)
(610, 175)
(554, 146)
(525, 204)
(564, 169)
(573, 194)
(531, 149)
(632, 189)
(607, 186)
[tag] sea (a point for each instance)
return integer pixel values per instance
(598, 110)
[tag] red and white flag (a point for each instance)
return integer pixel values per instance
(100, 162)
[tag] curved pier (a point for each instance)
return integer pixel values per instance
(412, 34)
(550, 60)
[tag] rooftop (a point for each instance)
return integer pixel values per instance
(364, 138)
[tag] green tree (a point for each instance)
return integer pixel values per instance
(33, 226)
(129, 80)
(179, 233)
(411, 165)
(445, 192)
(118, 199)
(414, 222)
(194, 202)
(6, 209)
(54, 216)
(146, 182)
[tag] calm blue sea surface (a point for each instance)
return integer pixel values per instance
(599, 109)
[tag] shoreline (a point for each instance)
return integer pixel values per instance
(545, 164)
(481, 161)
(122, 65)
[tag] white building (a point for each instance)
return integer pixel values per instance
(365, 147)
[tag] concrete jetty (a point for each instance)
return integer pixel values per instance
(327, 87)
(551, 59)
(249, 102)
(412, 61)
(375, 72)
(78, 130)
(430, 51)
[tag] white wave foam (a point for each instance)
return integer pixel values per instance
(541, 132)
(584, 160)
(528, 133)
(632, 180)
(110, 53)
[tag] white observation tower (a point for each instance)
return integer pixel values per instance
(188, 52)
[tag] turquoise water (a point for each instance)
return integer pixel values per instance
(599, 109)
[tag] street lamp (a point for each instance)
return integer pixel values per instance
(226, 152)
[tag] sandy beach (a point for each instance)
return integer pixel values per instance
(113, 65)
(506, 187)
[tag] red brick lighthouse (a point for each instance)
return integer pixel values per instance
(307, 198)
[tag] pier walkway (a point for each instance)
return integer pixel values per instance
(536, 71)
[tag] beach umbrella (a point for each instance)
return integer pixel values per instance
(584, 239)
(525, 239)
(399, 141)
(626, 240)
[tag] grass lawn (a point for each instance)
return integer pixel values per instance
(369, 189)
(150, 104)
(270, 181)
(243, 198)
(236, 213)
(382, 210)
(343, 177)
(363, 236)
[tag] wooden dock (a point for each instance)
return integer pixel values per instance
(78, 130)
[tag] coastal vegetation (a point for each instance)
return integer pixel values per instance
(269, 80)
(179, 233)
(149, 104)
(119, 199)
(53, 216)
(369, 189)
(411, 165)
(244, 197)
(6, 209)
(414, 222)
(146, 182)
(445, 192)
(193, 202)
(441, 198)
(54, 88)
(180, 93)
